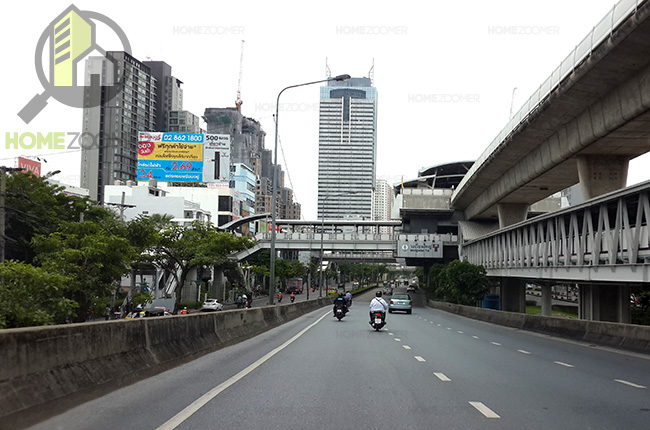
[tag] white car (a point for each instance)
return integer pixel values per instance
(212, 305)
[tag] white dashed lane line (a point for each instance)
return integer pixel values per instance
(630, 384)
(390, 334)
(460, 332)
(406, 347)
(398, 340)
(442, 377)
(523, 351)
(418, 358)
(475, 337)
(495, 343)
(487, 412)
(563, 364)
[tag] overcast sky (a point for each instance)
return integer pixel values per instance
(445, 71)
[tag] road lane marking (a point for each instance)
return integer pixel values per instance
(398, 340)
(406, 347)
(448, 328)
(522, 351)
(629, 383)
(442, 377)
(390, 334)
(475, 337)
(460, 332)
(495, 343)
(419, 358)
(489, 413)
(183, 415)
(563, 364)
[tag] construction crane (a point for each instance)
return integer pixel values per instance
(239, 101)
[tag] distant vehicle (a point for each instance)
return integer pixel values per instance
(388, 290)
(294, 285)
(410, 289)
(400, 302)
(211, 305)
(157, 311)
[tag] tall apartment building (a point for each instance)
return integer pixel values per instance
(114, 114)
(382, 202)
(347, 141)
(184, 122)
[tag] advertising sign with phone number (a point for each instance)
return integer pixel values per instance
(170, 157)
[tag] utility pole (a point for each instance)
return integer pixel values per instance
(3, 212)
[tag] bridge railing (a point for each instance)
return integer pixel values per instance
(608, 231)
(600, 32)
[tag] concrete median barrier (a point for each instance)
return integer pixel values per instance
(626, 336)
(46, 370)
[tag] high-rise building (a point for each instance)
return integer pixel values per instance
(112, 117)
(114, 113)
(381, 202)
(184, 122)
(347, 142)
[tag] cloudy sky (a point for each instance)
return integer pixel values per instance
(445, 71)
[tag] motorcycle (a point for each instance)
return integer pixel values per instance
(339, 313)
(293, 299)
(378, 322)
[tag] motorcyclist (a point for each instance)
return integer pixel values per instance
(293, 297)
(340, 301)
(348, 299)
(378, 304)
(279, 297)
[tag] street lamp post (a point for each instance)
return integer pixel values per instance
(322, 234)
(275, 180)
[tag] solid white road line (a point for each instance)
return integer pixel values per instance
(629, 383)
(522, 351)
(406, 347)
(442, 377)
(418, 358)
(484, 410)
(563, 364)
(180, 417)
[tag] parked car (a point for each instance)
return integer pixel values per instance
(400, 302)
(211, 305)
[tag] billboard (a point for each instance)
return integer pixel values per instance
(30, 166)
(216, 160)
(419, 249)
(170, 157)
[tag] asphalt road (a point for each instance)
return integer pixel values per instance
(428, 370)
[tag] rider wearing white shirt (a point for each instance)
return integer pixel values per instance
(378, 305)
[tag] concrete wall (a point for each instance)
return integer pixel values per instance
(626, 336)
(46, 370)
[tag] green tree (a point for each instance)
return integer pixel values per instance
(462, 283)
(34, 206)
(32, 296)
(92, 256)
(185, 248)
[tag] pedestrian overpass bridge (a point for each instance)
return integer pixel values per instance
(349, 240)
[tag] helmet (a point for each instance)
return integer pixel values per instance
(378, 294)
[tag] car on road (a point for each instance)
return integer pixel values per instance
(211, 305)
(410, 289)
(400, 302)
(388, 290)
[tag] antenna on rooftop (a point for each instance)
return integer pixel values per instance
(371, 73)
(328, 72)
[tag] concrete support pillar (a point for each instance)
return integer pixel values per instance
(513, 295)
(511, 213)
(600, 174)
(218, 284)
(547, 301)
(605, 303)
